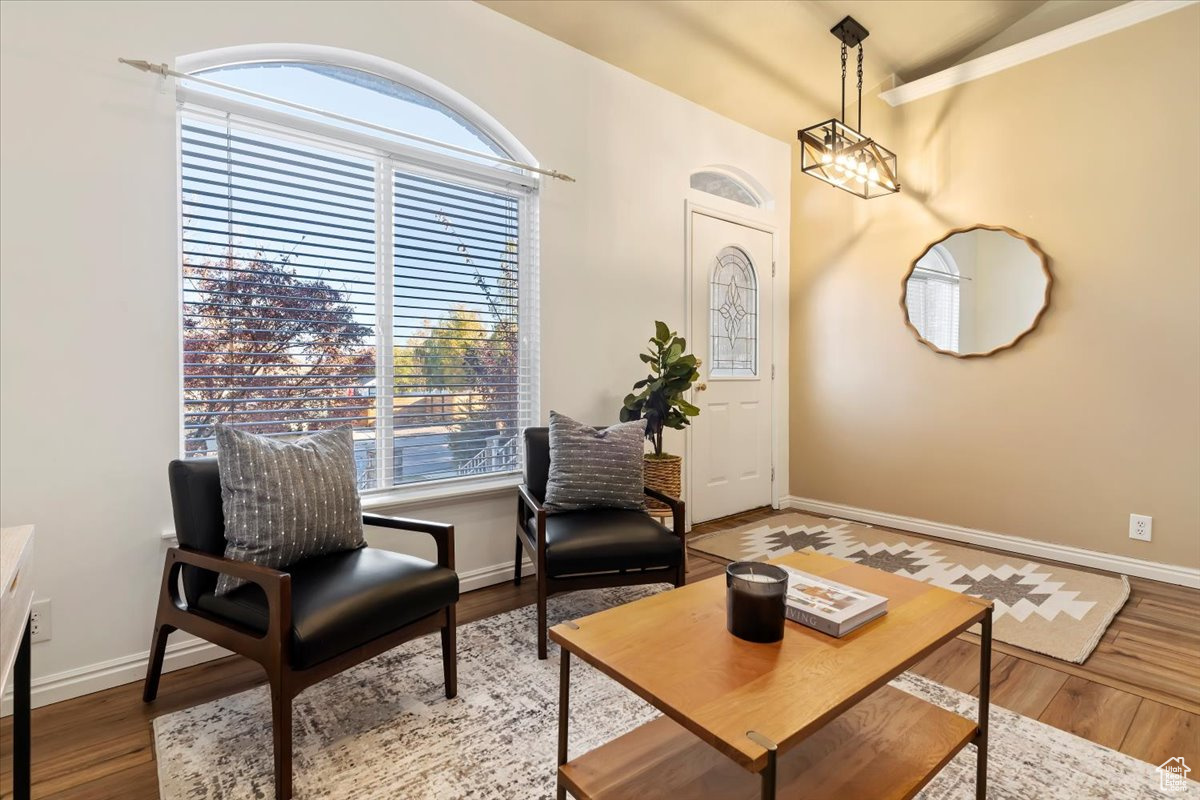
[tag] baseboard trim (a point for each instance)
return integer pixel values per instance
(91, 678)
(1124, 565)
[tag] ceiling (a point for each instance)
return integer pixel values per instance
(772, 64)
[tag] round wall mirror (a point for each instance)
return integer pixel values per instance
(976, 291)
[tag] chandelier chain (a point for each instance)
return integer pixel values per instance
(843, 83)
(860, 71)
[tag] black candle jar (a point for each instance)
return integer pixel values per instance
(754, 597)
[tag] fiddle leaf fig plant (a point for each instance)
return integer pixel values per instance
(658, 398)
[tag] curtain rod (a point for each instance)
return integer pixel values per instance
(165, 71)
(942, 274)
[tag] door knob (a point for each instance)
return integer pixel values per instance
(700, 387)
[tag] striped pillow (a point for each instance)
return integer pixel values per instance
(287, 500)
(593, 467)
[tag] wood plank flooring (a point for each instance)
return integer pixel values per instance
(1139, 692)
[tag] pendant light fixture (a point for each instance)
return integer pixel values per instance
(845, 157)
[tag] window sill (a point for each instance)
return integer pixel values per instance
(380, 499)
(449, 490)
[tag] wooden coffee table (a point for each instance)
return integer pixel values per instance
(808, 717)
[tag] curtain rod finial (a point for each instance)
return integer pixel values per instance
(145, 66)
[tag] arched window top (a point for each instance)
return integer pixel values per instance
(359, 94)
(939, 260)
(731, 184)
(360, 86)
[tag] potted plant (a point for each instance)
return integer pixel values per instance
(658, 398)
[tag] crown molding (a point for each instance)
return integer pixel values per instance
(1084, 30)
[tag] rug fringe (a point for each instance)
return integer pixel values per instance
(1092, 643)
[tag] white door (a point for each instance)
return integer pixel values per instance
(730, 456)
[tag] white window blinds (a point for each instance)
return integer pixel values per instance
(933, 306)
(327, 286)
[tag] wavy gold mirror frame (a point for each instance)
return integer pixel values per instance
(1030, 243)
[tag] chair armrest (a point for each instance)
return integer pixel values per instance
(536, 508)
(674, 503)
(530, 501)
(442, 533)
(276, 584)
(263, 576)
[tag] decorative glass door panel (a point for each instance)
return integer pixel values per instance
(733, 316)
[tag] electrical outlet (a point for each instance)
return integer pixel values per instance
(39, 621)
(1140, 527)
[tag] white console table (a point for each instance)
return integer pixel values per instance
(16, 597)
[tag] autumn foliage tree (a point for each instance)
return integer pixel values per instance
(470, 354)
(266, 343)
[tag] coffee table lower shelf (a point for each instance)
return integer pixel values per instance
(886, 748)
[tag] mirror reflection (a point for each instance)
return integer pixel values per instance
(977, 291)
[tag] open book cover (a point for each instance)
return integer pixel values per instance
(827, 606)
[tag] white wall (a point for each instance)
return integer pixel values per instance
(89, 365)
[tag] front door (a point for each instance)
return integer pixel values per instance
(730, 456)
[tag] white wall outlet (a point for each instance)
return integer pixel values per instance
(1140, 527)
(39, 621)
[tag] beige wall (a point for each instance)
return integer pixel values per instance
(1097, 413)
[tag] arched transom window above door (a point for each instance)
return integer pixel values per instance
(733, 316)
(730, 184)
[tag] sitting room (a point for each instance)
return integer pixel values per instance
(600, 399)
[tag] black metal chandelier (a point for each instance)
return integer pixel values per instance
(845, 157)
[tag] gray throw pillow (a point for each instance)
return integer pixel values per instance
(287, 500)
(595, 467)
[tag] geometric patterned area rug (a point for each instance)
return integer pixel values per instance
(1056, 611)
(384, 730)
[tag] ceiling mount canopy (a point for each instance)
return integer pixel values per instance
(842, 156)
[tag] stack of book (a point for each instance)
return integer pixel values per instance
(829, 607)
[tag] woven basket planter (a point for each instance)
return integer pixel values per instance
(663, 474)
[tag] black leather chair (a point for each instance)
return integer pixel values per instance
(594, 548)
(318, 618)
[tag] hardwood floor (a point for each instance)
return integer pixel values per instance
(1138, 693)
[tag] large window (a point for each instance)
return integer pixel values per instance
(331, 277)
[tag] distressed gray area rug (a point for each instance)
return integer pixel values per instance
(384, 730)
(1056, 611)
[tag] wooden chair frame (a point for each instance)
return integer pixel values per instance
(528, 505)
(271, 649)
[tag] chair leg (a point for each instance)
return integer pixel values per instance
(517, 563)
(450, 654)
(681, 574)
(541, 617)
(281, 719)
(158, 649)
